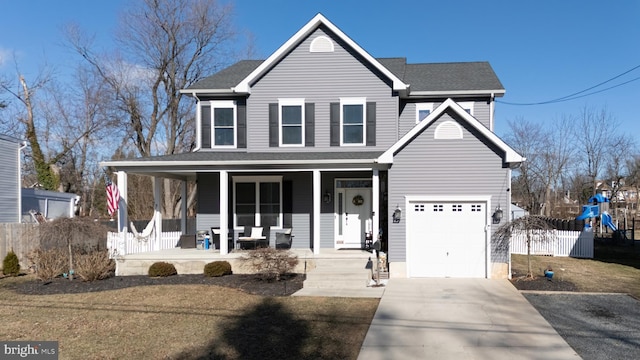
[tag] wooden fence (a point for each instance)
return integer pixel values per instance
(554, 243)
(21, 238)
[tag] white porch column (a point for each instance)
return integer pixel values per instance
(157, 212)
(183, 207)
(122, 204)
(224, 212)
(316, 211)
(375, 204)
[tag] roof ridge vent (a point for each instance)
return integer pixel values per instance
(321, 44)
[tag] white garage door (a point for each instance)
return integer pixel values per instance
(446, 239)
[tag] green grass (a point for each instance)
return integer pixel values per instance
(187, 322)
(613, 269)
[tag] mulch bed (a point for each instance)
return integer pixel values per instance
(248, 283)
(541, 283)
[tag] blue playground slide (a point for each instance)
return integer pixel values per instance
(606, 221)
(589, 211)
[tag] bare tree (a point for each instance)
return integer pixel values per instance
(594, 139)
(535, 230)
(549, 153)
(167, 46)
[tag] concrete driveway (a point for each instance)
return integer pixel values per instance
(459, 319)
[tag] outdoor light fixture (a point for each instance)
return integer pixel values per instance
(326, 197)
(397, 215)
(497, 215)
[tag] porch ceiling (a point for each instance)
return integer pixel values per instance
(186, 166)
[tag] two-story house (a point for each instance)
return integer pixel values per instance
(326, 139)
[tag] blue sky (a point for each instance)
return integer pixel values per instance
(541, 50)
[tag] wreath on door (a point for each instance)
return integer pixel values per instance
(357, 200)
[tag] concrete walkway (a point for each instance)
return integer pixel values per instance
(459, 319)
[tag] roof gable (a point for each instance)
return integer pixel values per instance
(245, 85)
(511, 156)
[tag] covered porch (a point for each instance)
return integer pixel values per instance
(312, 195)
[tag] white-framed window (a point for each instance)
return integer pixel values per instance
(257, 201)
(467, 106)
(423, 110)
(291, 122)
(224, 123)
(353, 112)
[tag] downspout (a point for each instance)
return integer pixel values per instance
(198, 122)
(22, 146)
(492, 109)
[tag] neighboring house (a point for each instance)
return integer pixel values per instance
(517, 212)
(324, 138)
(10, 182)
(48, 204)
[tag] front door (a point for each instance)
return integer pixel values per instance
(353, 217)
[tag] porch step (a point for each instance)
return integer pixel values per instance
(339, 274)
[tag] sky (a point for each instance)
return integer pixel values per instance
(541, 50)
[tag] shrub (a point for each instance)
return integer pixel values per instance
(11, 264)
(269, 263)
(94, 265)
(217, 268)
(162, 268)
(49, 264)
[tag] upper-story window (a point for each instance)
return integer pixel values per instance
(467, 106)
(352, 121)
(219, 123)
(291, 122)
(423, 110)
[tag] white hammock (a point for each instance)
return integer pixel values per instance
(144, 235)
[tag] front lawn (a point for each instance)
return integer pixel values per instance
(187, 322)
(613, 269)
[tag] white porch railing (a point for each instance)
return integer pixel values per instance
(561, 243)
(126, 243)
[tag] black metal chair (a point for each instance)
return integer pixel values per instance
(284, 239)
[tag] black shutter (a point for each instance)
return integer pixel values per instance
(205, 130)
(334, 120)
(371, 124)
(241, 140)
(287, 203)
(309, 124)
(273, 125)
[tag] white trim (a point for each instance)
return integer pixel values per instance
(291, 102)
(224, 211)
(172, 164)
(354, 101)
(511, 156)
(423, 106)
(317, 182)
(439, 93)
(455, 198)
(257, 180)
(245, 85)
(467, 105)
(223, 104)
(316, 47)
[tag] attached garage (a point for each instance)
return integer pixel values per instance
(448, 237)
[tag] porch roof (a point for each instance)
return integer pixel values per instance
(185, 166)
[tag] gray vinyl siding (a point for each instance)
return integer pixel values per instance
(208, 213)
(407, 118)
(431, 167)
(9, 182)
(321, 78)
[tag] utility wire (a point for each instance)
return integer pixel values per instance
(574, 95)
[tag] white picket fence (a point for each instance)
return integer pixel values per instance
(577, 244)
(126, 243)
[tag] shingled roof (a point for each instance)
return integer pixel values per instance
(424, 77)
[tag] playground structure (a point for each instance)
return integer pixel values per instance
(598, 208)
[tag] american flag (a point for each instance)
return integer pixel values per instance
(113, 197)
